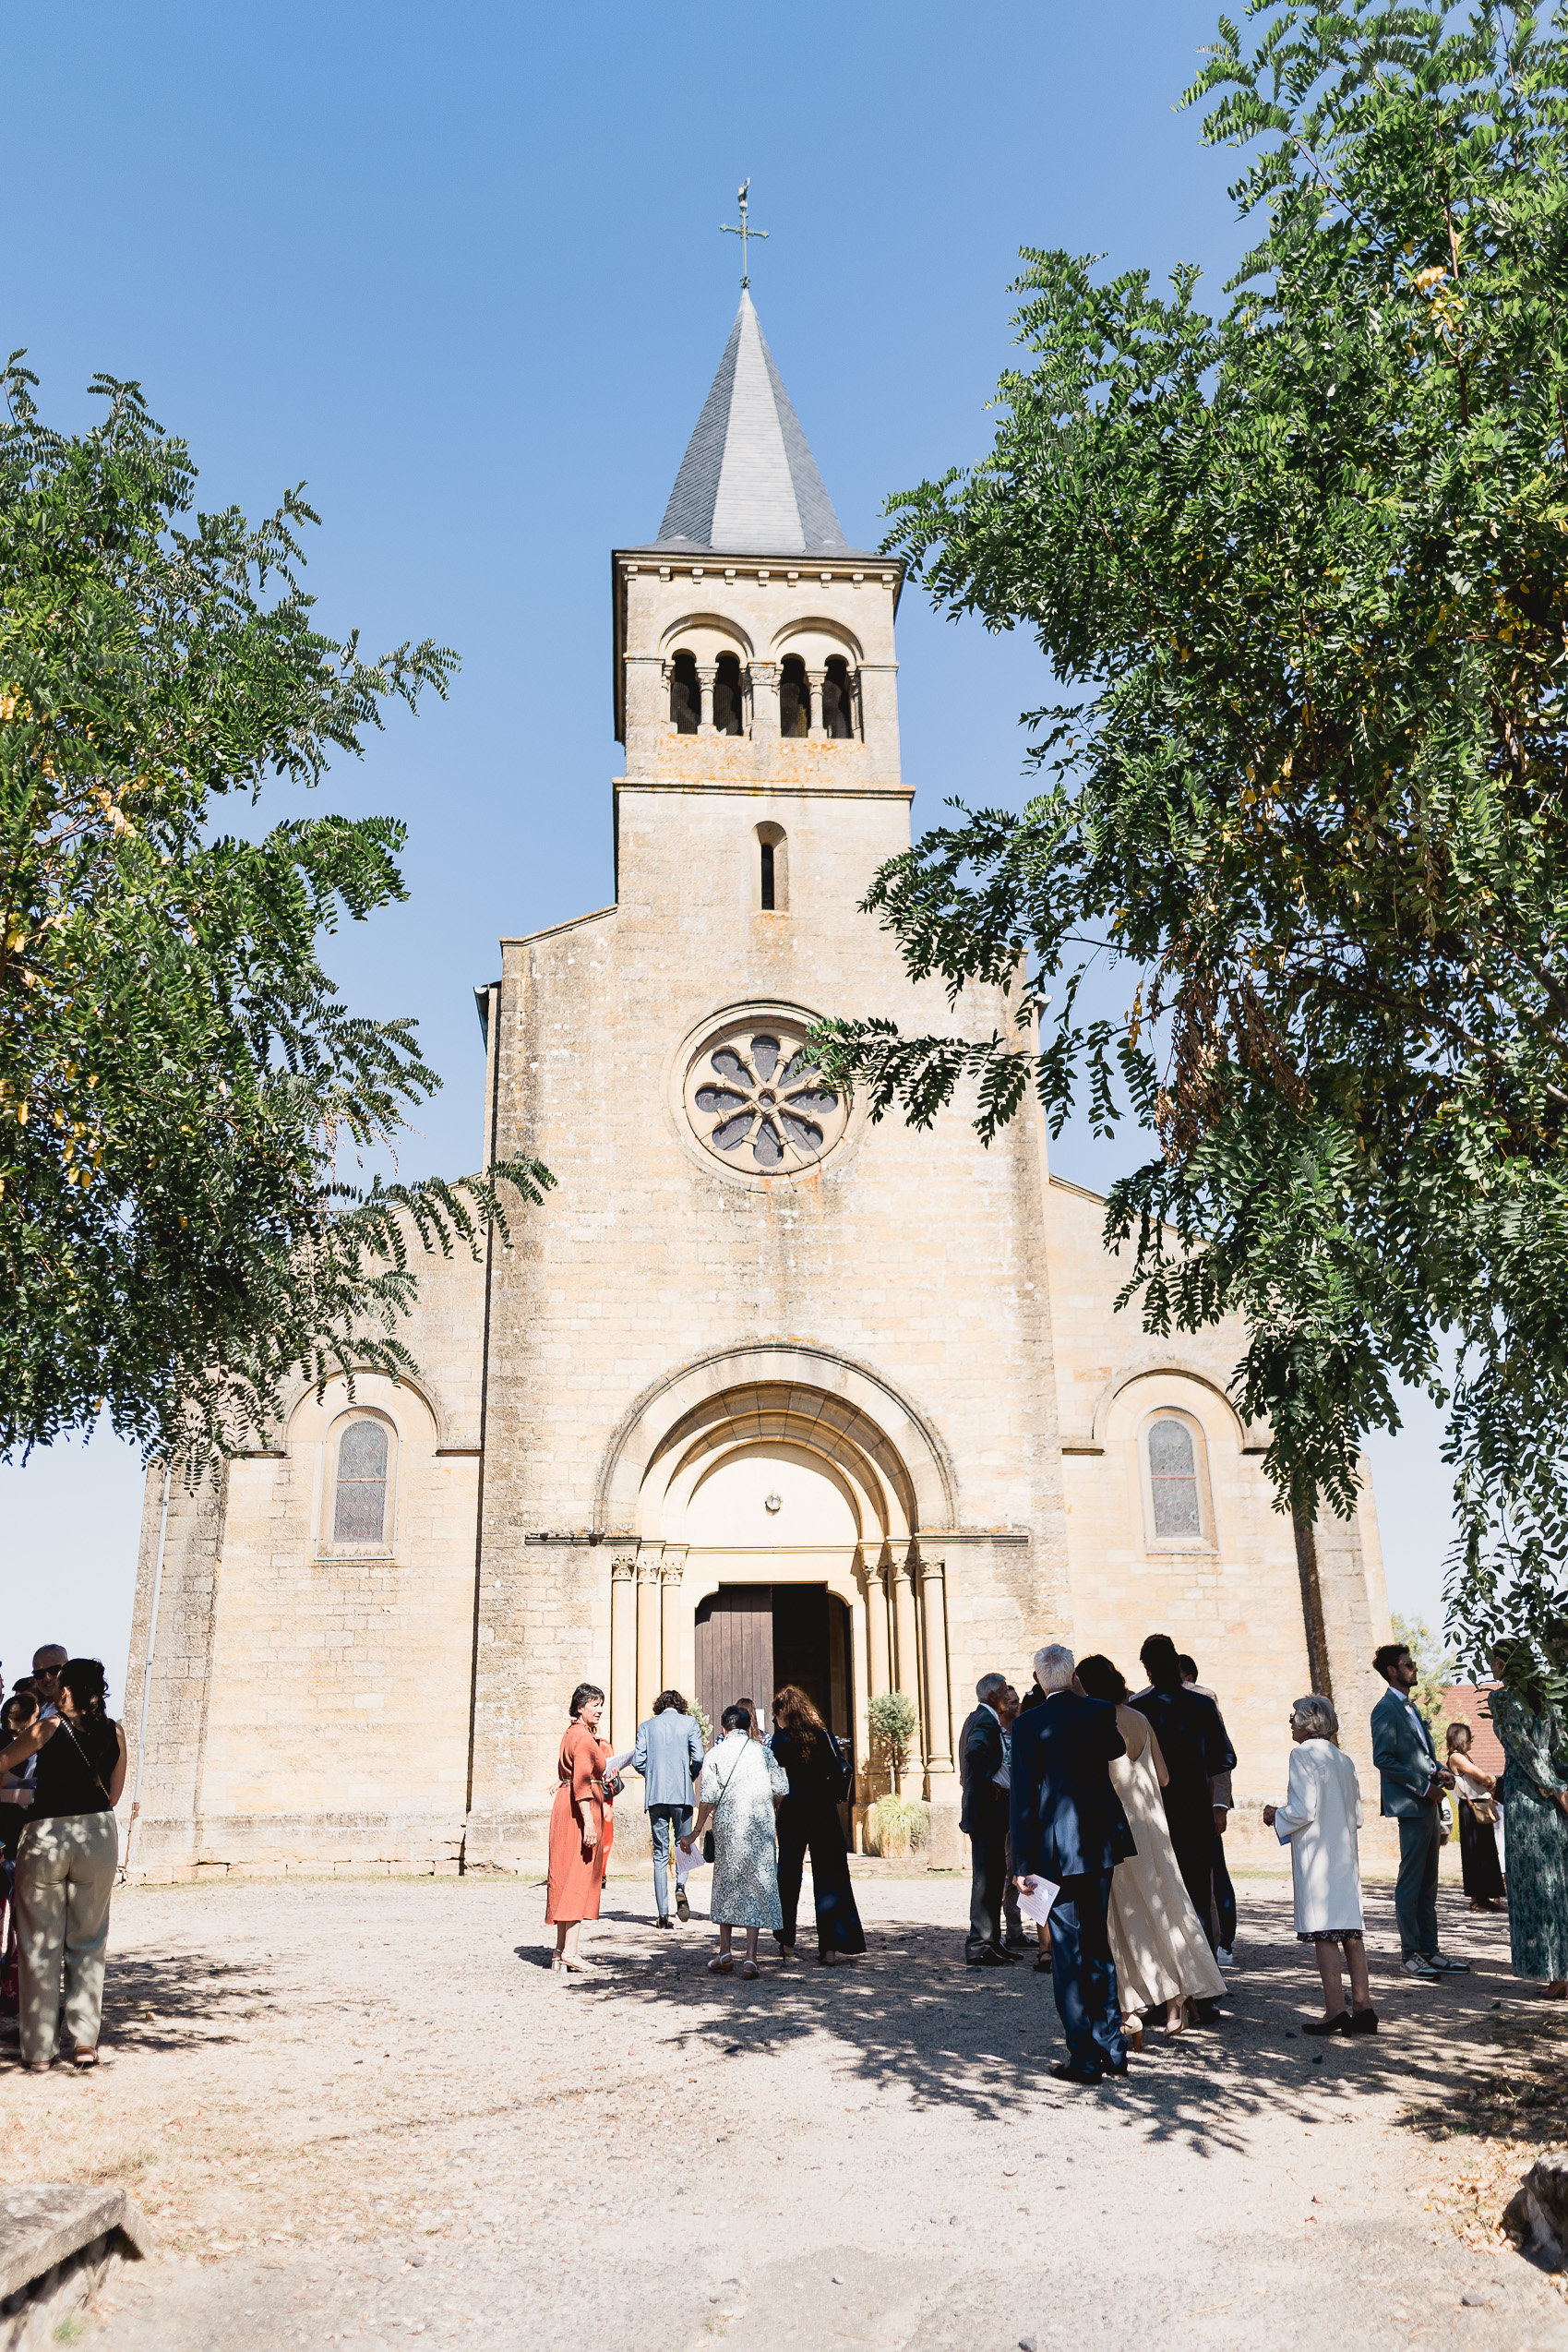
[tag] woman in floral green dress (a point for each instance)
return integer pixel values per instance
(1535, 1813)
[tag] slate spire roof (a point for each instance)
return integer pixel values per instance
(748, 483)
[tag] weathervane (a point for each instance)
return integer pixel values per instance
(742, 233)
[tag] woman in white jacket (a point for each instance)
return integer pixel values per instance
(1318, 1820)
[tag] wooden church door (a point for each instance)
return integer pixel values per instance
(735, 1651)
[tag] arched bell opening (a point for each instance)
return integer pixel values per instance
(838, 700)
(686, 695)
(795, 697)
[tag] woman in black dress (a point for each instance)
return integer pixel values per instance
(809, 1818)
(1477, 1829)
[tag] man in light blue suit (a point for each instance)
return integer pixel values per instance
(668, 1754)
(1413, 1782)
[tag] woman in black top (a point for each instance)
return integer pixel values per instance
(810, 1817)
(65, 1863)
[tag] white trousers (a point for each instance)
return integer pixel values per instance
(64, 1878)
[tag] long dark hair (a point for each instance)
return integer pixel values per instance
(1101, 1679)
(793, 1712)
(83, 1677)
(1519, 1670)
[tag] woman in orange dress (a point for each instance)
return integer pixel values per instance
(580, 1829)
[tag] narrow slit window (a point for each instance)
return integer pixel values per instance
(1173, 1479)
(767, 877)
(359, 1511)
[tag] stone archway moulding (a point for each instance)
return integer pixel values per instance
(304, 1390)
(1161, 1367)
(788, 1363)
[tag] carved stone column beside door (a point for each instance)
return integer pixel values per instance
(650, 1630)
(623, 1651)
(879, 1650)
(945, 1850)
(907, 1634)
(671, 1669)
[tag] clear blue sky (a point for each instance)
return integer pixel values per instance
(460, 270)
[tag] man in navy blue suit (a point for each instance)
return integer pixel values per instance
(1067, 1825)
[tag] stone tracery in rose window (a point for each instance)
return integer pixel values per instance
(756, 1100)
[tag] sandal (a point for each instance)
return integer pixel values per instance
(749, 1968)
(722, 1965)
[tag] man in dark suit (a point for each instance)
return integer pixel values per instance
(1067, 1825)
(1413, 1782)
(982, 1752)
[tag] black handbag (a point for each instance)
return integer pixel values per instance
(841, 1780)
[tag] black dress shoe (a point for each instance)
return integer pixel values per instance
(1208, 2013)
(1116, 2066)
(1009, 1959)
(663, 1919)
(1362, 2021)
(1340, 2024)
(1066, 2070)
(986, 1957)
(1019, 1942)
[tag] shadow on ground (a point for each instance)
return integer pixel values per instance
(910, 2017)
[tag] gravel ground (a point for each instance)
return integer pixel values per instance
(363, 2112)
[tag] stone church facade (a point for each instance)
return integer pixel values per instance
(764, 1392)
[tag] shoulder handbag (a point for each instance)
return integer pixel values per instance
(708, 1834)
(840, 1781)
(1485, 1808)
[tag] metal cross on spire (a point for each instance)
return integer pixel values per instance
(742, 232)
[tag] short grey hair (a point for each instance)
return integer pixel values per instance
(1316, 1716)
(990, 1687)
(1053, 1666)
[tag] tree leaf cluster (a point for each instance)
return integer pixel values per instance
(1301, 570)
(179, 1087)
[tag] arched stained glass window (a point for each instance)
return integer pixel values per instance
(359, 1510)
(1173, 1478)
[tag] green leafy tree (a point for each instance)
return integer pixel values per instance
(894, 1723)
(1302, 570)
(178, 1081)
(1435, 1669)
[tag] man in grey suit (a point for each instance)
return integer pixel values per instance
(668, 1754)
(1413, 1782)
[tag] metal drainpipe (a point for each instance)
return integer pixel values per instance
(147, 1678)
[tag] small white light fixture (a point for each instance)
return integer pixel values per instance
(772, 1503)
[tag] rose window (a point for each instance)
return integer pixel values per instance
(755, 1099)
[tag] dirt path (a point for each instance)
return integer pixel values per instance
(362, 2112)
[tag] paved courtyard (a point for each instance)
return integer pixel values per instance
(362, 2113)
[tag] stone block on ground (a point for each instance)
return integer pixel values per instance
(58, 2243)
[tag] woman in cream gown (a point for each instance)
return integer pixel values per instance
(1161, 1953)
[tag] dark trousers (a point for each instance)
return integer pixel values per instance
(1414, 1896)
(1009, 1911)
(806, 1822)
(1194, 1842)
(987, 1884)
(1084, 1973)
(1477, 1853)
(1224, 1922)
(665, 1822)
